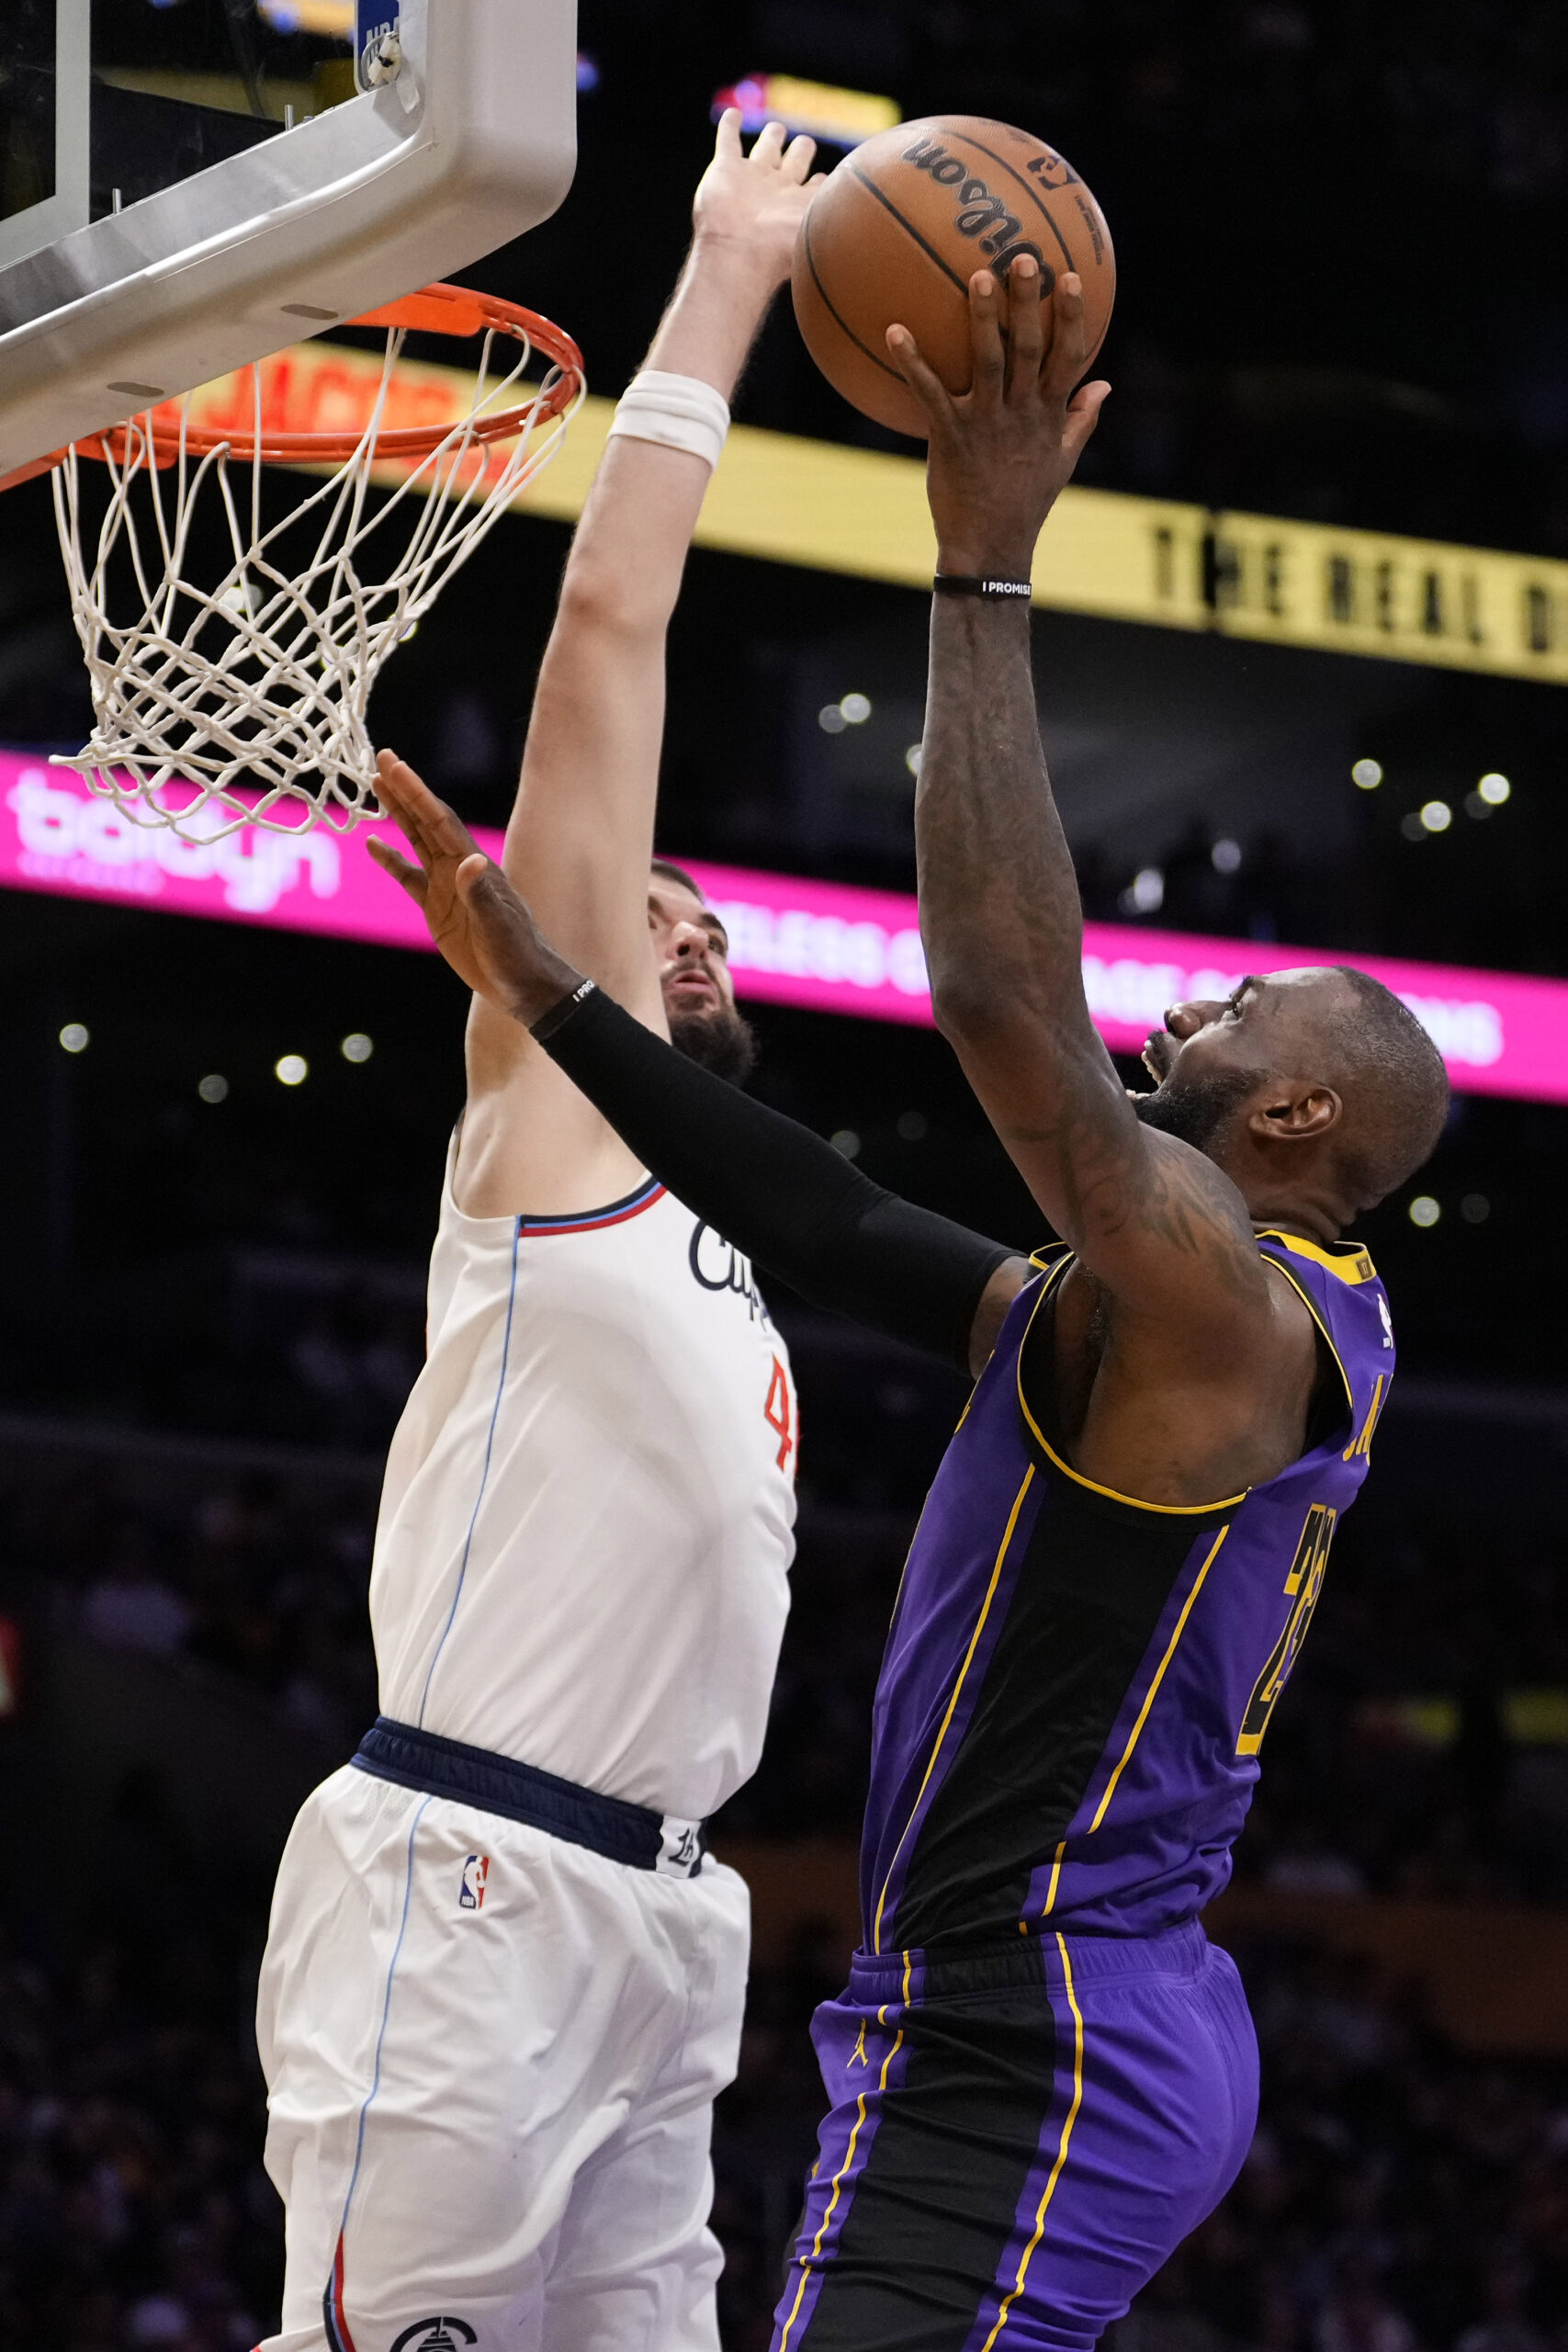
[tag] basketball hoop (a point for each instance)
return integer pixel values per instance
(242, 701)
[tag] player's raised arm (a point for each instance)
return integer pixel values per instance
(1164, 1229)
(773, 1188)
(581, 831)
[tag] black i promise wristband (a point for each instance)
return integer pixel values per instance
(974, 583)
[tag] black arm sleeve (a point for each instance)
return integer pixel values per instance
(792, 1202)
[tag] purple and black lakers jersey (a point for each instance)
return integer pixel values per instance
(1077, 1685)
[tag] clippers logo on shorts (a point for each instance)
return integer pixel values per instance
(472, 1897)
(680, 1848)
(435, 2335)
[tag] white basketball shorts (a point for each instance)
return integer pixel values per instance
(492, 2057)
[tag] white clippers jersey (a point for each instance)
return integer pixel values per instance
(588, 1519)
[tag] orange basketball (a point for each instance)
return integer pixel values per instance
(895, 234)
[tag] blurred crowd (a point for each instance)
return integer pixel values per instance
(134, 2211)
(250, 1577)
(1401, 2195)
(1453, 90)
(1422, 1748)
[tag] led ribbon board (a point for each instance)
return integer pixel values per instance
(818, 944)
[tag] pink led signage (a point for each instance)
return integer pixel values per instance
(815, 943)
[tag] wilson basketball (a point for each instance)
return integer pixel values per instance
(895, 234)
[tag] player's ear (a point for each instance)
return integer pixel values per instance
(1295, 1113)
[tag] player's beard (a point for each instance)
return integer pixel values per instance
(717, 1039)
(1195, 1109)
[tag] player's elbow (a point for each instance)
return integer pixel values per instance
(1002, 1034)
(606, 600)
(969, 1009)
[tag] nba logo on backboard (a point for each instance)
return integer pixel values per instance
(378, 23)
(471, 1892)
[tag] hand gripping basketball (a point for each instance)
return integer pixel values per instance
(1002, 452)
(475, 916)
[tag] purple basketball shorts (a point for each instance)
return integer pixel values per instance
(1017, 2138)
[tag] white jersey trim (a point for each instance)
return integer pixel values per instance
(484, 1480)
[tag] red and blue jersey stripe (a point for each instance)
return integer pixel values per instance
(533, 1228)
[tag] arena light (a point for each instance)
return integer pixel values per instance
(1366, 776)
(1436, 816)
(74, 1037)
(1424, 1211)
(332, 19)
(832, 948)
(842, 117)
(291, 1069)
(213, 1088)
(1493, 789)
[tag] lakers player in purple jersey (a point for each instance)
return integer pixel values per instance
(1040, 2075)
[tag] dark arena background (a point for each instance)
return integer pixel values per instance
(1340, 231)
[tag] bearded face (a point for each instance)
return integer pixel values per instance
(1197, 1109)
(715, 1037)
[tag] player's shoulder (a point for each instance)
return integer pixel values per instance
(1338, 1286)
(1333, 1269)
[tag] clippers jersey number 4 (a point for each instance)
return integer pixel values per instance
(1302, 1588)
(780, 1414)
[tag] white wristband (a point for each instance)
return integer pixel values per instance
(680, 411)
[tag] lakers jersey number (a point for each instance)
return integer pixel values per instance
(1077, 1684)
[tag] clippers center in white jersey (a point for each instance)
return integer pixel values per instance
(588, 1519)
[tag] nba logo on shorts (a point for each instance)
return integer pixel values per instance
(471, 1892)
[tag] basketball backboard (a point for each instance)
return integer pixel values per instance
(188, 185)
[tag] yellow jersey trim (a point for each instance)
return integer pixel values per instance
(951, 1704)
(1151, 1694)
(1050, 2189)
(1133, 1502)
(838, 2179)
(1363, 1443)
(1350, 1264)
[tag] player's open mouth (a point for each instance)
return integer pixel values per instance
(694, 984)
(1156, 1055)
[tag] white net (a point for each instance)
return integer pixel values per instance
(230, 657)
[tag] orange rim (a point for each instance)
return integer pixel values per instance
(435, 309)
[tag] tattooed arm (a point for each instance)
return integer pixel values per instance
(1162, 1227)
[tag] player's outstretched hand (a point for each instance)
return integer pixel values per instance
(1001, 452)
(754, 204)
(476, 918)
